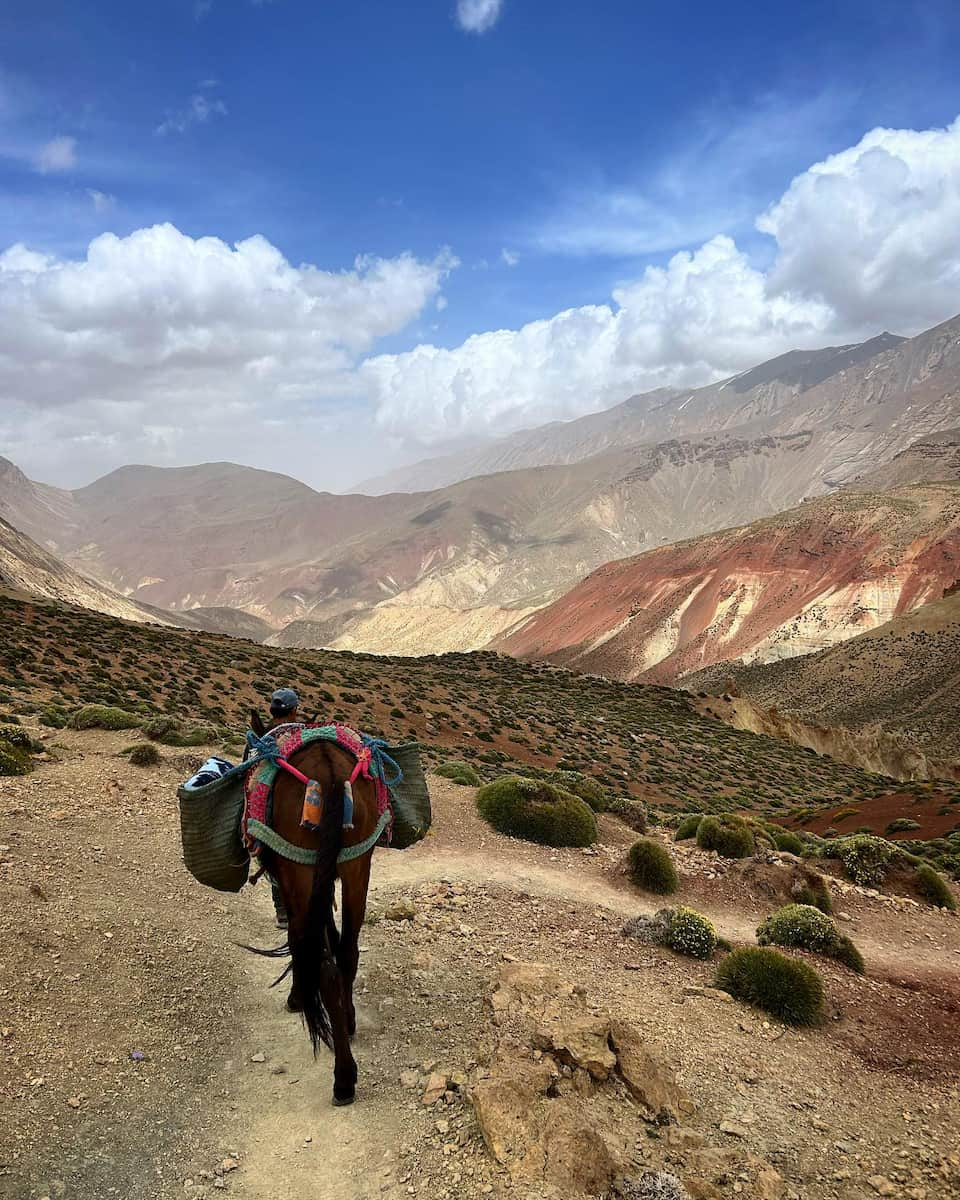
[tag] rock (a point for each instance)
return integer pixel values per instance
(229, 1164)
(882, 1185)
(400, 910)
(259, 1057)
(578, 1039)
(538, 1136)
(648, 1079)
(436, 1086)
(732, 1129)
(409, 1079)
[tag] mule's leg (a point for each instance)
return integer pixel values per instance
(295, 882)
(333, 995)
(355, 880)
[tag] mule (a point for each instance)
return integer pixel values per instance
(324, 958)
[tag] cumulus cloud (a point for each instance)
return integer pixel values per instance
(864, 240)
(162, 330)
(477, 16)
(198, 111)
(875, 230)
(60, 154)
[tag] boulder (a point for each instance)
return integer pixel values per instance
(648, 1079)
(578, 1039)
(536, 1134)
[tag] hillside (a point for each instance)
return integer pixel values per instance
(454, 567)
(783, 586)
(159, 1041)
(870, 399)
(903, 676)
(645, 741)
(227, 536)
(650, 416)
(926, 460)
(26, 567)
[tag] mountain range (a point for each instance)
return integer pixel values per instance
(779, 587)
(469, 563)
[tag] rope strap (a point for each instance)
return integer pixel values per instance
(308, 858)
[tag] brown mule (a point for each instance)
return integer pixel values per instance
(324, 959)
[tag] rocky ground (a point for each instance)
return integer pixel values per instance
(144, 1056)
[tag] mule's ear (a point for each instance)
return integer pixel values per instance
(256, 724)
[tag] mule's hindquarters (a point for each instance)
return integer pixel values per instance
(318, 990)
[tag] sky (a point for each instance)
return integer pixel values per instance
(327, 237)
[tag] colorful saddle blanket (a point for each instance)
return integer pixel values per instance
(373, 762)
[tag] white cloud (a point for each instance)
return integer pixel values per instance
(60, 154)
(875, 230)
(866, 239)
(192, 335)
(101, 201)
(477, 16)
(509, 258)
(198, 111)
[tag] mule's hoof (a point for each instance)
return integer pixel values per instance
(293, 1004)
(341, 1101)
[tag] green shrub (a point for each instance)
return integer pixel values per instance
(459, 772)
(933, 888)
(808, 928)
(691, 933)
(157, 728)
(865, 858)
(633, 813)
(901, 825)
(782, 986)
(788, 842)
(730, 836)
(103, 716)
(583, 786)
(195, 735)
(53, 718)
(815, 892)
(688, 827)
(537, 811)
(19, 739)
(844, 813)
(145, 754)
(651, 867)
(14, 760)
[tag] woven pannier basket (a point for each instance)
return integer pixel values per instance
(411, 800)
(213, 849)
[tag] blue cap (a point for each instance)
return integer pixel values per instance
(284, 700)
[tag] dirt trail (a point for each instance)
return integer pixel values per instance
(126, 953)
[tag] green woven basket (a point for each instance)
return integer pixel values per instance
(213, 849)
(411, 800)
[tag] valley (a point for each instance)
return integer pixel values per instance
(502, 532)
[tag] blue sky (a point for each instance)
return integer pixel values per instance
(557, 153)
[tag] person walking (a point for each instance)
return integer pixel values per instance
(284, 706)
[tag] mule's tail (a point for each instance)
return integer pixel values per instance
(314, 950)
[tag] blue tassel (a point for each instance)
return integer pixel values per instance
(347, 805)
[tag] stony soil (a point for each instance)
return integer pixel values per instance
(144, 1056)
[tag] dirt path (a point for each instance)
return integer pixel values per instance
(124, 955)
